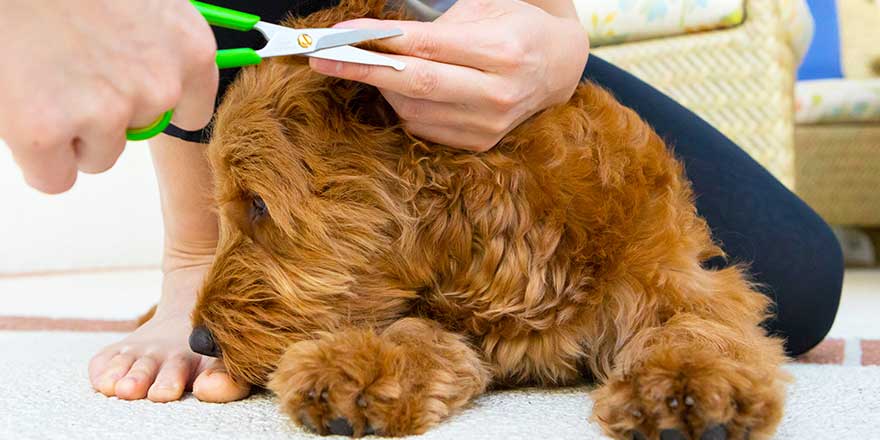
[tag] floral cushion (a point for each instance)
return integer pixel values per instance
(618, 21)
(837, 100)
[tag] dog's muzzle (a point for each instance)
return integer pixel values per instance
(202, 342)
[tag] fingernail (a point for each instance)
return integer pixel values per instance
(326, 66)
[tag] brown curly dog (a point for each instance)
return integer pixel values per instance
(377, 283)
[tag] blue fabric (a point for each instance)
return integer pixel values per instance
(823, 58)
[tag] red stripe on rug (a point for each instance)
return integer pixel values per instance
(870, 352)
(829, 351)
(78, 325)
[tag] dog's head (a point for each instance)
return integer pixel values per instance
(298, 160)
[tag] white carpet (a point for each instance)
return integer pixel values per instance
(44, 394)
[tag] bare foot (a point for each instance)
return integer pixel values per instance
(155, 361)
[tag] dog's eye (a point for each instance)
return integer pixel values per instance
(258, 208)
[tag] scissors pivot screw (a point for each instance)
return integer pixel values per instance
(304, 40)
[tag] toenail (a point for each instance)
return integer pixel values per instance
(312, 394)
(637, 414)
(717, 432)
(325, 395)
(362, 402)
(369, 430)
(128, 381)
(340, 426)
(672, 402)
(166, 387)
(671, 434)
(636, 435)
(689, 401)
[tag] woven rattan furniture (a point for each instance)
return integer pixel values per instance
(740, 80)
(837, 161)
(838, 171)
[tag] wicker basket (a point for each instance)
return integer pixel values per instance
(740, 80)
(838, 171)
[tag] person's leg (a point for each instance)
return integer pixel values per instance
(757, 221)
(155, 360)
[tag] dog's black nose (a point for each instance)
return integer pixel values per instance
(202, 342)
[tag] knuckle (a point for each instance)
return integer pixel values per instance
(203, 52)
(424, 45)
(358, 72)
(504, 100)
(164, 96)
(199, 43)
(510, 54)
(48, 137)
(423, 83)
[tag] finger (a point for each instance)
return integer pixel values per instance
(200, 75)
(102, 142)
(453, 137)
(214, 384)
(50, 168)
(118, 366)
(151, 101)
(464, 44)
(461, 116)
(171, 380)
(196, 105)
(136, 382)
(422, 79)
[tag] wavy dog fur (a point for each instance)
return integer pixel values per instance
(379, 282)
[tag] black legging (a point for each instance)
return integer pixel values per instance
(791, 251)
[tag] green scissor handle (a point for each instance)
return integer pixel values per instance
(227, 58)
(144, 133)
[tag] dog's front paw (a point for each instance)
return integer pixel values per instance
(696, 395)
(359, 383)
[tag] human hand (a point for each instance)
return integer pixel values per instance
(476, 72)
(78, 73)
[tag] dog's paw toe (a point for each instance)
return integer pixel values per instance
(672, 434)
(637, 435)
(340, 426)
(717, 432)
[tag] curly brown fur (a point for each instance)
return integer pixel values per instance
(389, 280)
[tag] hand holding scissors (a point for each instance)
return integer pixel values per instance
(325, 43)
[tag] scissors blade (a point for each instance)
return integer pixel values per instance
(352, 54)
(355, 36)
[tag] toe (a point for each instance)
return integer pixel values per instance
(340, 426)
(215, 385)
(117, 367)
(172, 378)
(98, 365)
(717, 432)
(138, 379)
(671, 434)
